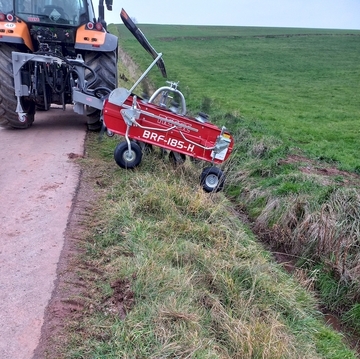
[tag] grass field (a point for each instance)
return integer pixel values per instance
(168, 271)
(171, 272)
(299, 85)
(285, 94)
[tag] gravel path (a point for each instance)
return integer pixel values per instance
(38, 181)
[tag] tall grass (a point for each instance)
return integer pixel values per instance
(299, 210)
(286, 93)
(171, 272)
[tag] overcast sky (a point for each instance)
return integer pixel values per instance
(330, 14)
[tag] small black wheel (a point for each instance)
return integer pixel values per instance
(125, 158)
(212, 179)
(176, 158)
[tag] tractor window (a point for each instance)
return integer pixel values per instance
(6, 6)
(51, 11)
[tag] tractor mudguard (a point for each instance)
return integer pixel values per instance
(15, 33)
(90, 40)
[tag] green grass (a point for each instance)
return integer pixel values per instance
(169, 272)
(282, 92)
(300, 85)
(172, 272)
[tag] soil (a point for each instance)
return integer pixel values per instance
(329, 174)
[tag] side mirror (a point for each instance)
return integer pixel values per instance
(109, 4)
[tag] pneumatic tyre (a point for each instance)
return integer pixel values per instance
(8, 100)
(104, 65)
(212, 179)
(125, 158)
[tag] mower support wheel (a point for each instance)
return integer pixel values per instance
(125, 158)
(212, 179)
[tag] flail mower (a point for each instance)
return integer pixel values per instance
(158, 121)
(67, 59)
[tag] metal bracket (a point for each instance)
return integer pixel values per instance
(119, 96)
(80, 99)
(131, 114)
(19, 59)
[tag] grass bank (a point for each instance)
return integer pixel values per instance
(291, 97)
(171, 272)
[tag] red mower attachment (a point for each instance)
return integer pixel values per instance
(145, 122)
(162, 122)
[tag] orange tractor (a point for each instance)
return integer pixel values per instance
(54, 51)
(40, 41)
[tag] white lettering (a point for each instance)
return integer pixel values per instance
(153, 136)
(172, 142)
(190, 148)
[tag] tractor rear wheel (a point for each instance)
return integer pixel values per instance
(8, 100)
(104, 64)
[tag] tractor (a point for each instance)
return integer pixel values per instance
(43, 43)
(57, 52)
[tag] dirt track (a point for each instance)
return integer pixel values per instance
(37, 185)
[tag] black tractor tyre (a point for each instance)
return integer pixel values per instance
(212, 179)
(104, 65)
(8, 100)
(126, 159)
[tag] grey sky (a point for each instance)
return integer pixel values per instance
(333, 14)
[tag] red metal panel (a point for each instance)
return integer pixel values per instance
(160, 127)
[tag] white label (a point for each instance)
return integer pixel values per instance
(221, 155)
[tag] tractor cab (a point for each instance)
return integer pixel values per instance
(54, 12)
